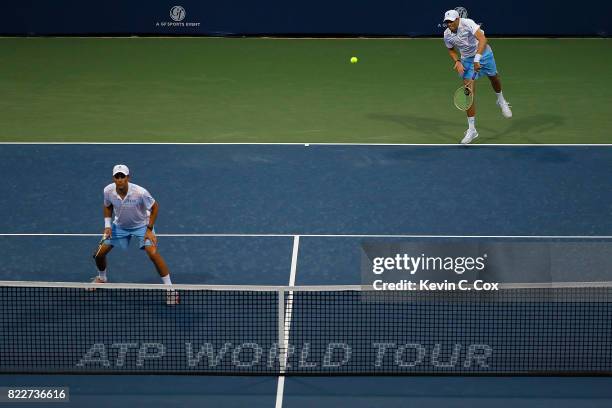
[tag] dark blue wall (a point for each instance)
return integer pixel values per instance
(285, 17)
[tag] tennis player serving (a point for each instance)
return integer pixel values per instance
(135, 212)
(464, 35)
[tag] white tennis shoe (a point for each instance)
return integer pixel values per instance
(505, 108)
(470, 135)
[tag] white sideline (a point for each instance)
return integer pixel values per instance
(286, 319)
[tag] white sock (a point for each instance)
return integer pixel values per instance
(500, 96)
(102, 275)
(472, 122)
(166, 279)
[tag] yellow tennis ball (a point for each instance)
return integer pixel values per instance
(354, 60)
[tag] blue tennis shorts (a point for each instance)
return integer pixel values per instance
(487, 66)
(121, 236)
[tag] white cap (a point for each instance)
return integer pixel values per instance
(121, 168)
(451, 15)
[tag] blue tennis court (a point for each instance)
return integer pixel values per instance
(298, 215)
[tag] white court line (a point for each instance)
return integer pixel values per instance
(240, 37)
(280, 389)
(317, 144)
(294, 258)
(41, 234)
(287, 319)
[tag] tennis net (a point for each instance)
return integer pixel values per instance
(541, 329)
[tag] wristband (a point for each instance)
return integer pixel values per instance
(477, 57)
(150, 227)
(107, 222)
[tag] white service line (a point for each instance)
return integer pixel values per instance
(287, 326)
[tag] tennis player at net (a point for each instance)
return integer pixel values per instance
(464, 35)
(135, 212)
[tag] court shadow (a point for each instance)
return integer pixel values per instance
(437, 130)
(446, 131)
(529, 127)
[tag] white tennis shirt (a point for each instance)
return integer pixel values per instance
(133, 211)
(464, 39)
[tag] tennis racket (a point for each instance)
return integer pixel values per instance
(99, 246)
(464, 95)
(104, 237)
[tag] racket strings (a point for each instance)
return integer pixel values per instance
(463, 98)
